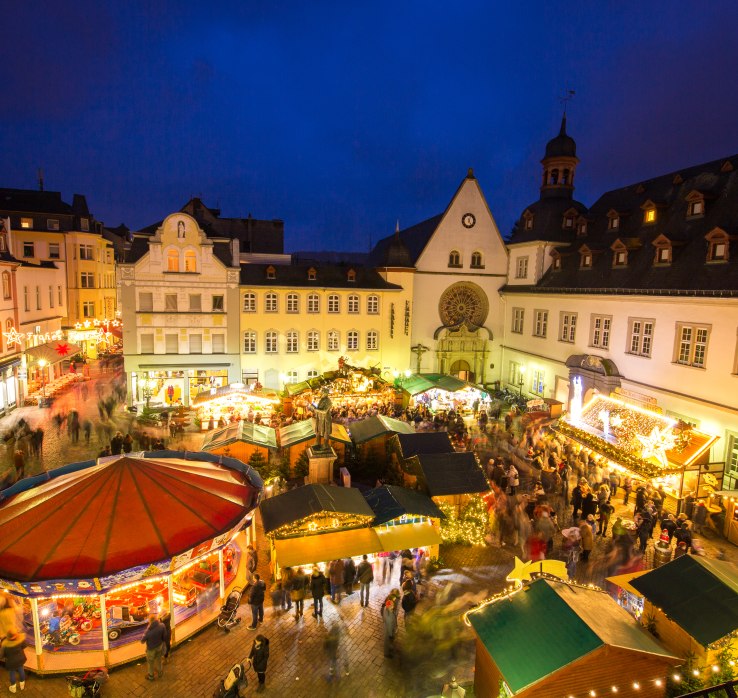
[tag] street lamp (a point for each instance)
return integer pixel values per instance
(42, 363)
(521, 379)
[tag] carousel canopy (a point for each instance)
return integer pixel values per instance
(424, 442)
(700, 595)
(390, 502)
(309, 500)
(444, 474)
(245, 431)
(367, 429)
(121, 512)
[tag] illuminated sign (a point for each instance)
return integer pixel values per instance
(12, 336)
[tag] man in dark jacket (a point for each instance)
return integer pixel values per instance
(317, 589)
(259, 657)
(365, 575)
(154, 639)
(349, 574)
(256, 601)
(576, 499)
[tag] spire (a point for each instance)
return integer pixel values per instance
(397, 229)
(562, 130)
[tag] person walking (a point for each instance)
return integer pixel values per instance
(297, 591)
(256, 601)
(259, 657)
(349, 575)
(87, 428)
(127, 443)
(365, 575)
(317, 589)
(331, 645)
(389, 620)
(116, 444)
(19, 461)
(335, 574)
(587, 539)
(409, 595)
(154, 640)
(388, 564)
(513, 479)
(288, 575)
(13, 652)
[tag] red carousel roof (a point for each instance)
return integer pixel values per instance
(118, 514)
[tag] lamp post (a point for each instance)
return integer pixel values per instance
(42, 363)
(521, 380)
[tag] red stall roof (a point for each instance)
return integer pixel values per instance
(119, 513)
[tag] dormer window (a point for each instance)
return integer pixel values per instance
(454, 258)
(613, 222)
(620, 258)
(582, 227)
(556, 264)
(662, 255)
(585, 257)
(528, 220)
(695, 204)
(649, 216)
(271, 272)
(718, 245)
(568, 222)
(586, 260)
(312, 274)
(351, 276)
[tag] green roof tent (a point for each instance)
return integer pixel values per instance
(410, 445)
(298, 432)
(367, 429)
(421, 382)
(390, 502)
(245, 431)
(445, 474)
(698, 594)
(549, 626)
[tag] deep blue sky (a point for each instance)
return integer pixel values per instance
(341, 117)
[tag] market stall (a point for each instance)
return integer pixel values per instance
(440, 393)
(88, 550)
(294, 439)
(646, 444)
(373, 434)
(620, 588)
(241, 440)
(218, 406)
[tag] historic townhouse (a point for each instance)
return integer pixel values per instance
(636, 294)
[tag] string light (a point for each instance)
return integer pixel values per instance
(469, 527)
(321, 523)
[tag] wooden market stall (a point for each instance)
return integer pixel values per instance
(648, 445)
(439, 392)
(552, 638)
(294, 439)
(403, 446)
(372, 435)
(241, 440)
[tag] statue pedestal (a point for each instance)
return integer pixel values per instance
(321, 462)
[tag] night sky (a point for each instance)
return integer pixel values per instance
(342, 117)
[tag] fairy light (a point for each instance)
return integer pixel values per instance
(659, 682)
(636, 685)
(677, 678)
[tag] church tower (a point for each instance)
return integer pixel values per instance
(559, 164)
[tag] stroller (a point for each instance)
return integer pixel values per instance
(231, 686)
(229, 613)
(88, 685)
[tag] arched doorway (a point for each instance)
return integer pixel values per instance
(462, 370)
(597, 374)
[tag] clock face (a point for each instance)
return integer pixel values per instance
(468, 220)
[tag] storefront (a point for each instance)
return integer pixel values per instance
(175, 387)
(47, 370)
(95, 336)
(439, 393)
(9, 372)
(220, 404)
(646, 445)
(159, 535)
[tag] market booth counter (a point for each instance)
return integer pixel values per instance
(89, 550)
(647, 445)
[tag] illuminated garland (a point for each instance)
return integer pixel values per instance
(470, 527)
(321, 523)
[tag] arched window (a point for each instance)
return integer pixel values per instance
(270, 303)
(271, 272)
(554, 177)
(372, 340)
(454, 259)
(292, 342)
(352, 340)
(172, 260)
(312, 274)
(353, 304)
(249, 342)
(190, 260)
(334, 304)
(372, 305)
(476, 260)
(313, 303)
(565, 178)
(351, 276)
(293, 303)
(249, 302)
(270, 344)
(313, 340)
(7, 293)
(334, 340)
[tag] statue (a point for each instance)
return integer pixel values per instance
(323, 421)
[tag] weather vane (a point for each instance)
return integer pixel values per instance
(568, 95)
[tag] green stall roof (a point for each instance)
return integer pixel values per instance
(245, 431)
(372, 427)
(297, 432)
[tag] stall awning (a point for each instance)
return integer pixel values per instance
(307, 550)
(421, 382)
(52, 352)
(418, 535)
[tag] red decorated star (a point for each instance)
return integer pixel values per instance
(62, 348)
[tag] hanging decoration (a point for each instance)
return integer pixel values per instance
(13, 337)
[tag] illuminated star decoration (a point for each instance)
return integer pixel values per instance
(13, 337)
(656, 444)
(62, 348)
(522, 571)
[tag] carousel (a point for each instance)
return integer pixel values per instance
(218, 407)
(91, 549)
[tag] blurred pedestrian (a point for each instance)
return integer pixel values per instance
(317, 589)
(365, 575)
(154, 640)
(297, 591)
(259, 657)
(87, 429)
(390, 610)
(256, 601)
(331, 644)
(349, 573)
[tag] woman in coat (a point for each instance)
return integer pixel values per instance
(587, 539)
(259, 657)
(317, 589)
(13, 651)
(297, 591)
(513, 479)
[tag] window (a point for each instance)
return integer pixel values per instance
(52, 223)
(292, 343)
(528, 220)
(313, 303)
(620, 258)
(541, 323)
(54, 250)
(195, 302)
(190, 260)
(172, 260)
(351, 276)
(84, 224)
(172, 343)
(372, 340)
(218, 303)
(27, 223)
(717, 250)
(38, 298)
(476, 260)
(249, 342)
(353, 304)
(352, 340)
(271, 272)
(613, 221)
(312, 274)
(585, 260)
(88, 309)
(312, 374)
(521, 268)
(218, 343)
(517, 320)
(537, 385)
(59, 292)
(195, 344)
(454, 258)
(145, 302)
(6, 285)
(293, 303)
(568, 327)
(568, 223)
(147, 343)
(249, 302)
(556, 262)
(333, 340)
(582, 228)
(87, 279)
(292, 377)
(372, 305)
(663, 255)
(692, 345)
(86, 252)
(170, 301)
(51, 296)
(649, 215)
(270, 303)
(515, 374)
(696, 208)
(270, 342)
(641, 336)
(26, 301)
(28, 250)
(601, 331)
(334, 304)
(313, 340)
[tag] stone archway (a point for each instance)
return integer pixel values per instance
(461, 369)
(462, 349)
(598, 375)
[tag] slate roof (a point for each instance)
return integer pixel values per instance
(327, 276)
(424, 442)
(305, 501)
(551, 625)
(33, 201)
(698, 594)
(442, 474)
(548, 217)
(370, 428)
(414, 238)
(390, 502)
